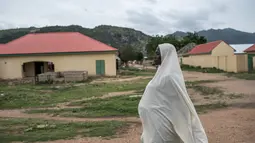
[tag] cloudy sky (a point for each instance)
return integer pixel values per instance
(149, 16)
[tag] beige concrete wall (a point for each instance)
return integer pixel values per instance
(223, 49)
(198, 60)
(242, 63)
(225, 57)
(13, 66)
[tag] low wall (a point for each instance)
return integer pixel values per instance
(66, 76)
(70, 76)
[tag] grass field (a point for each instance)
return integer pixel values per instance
(23, 96)
(32, 130)
(81, 105)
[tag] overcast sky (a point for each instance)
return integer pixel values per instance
(149, 16)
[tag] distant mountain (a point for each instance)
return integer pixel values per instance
(229, 35)
(120, 37)
(117, 37)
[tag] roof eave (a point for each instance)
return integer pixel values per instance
(207, 53)
(57, 53)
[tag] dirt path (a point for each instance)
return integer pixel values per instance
(230, 125)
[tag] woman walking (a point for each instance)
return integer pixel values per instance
(166, 111)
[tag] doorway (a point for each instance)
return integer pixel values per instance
(39, 68)
(250, 62)
(100, 67)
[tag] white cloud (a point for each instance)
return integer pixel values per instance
(150, 16)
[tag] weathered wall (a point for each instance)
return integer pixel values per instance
(11, 67)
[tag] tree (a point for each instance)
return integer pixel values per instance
(155, 41)
(177, 42)
(127, 54)
(139, 56)
(193, 38)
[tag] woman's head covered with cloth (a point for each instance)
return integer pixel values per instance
(165, 109)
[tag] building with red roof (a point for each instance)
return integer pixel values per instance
(251, 57)
(250, 49)
(206, 48)
(30, 55)
(216, 54)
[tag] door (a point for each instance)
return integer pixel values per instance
(39, 68)
(250, 63)
(100, 67)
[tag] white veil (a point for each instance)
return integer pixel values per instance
(167, 93)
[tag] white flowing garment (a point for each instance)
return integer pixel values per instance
(166, 111)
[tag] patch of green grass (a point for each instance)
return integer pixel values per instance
(200, 69)
(204, 90)
(246, 76)
(23, 96)
(207, 107)
(191, 83)
(137, 72)
(113, 106)
(34, 130)
(233, 95)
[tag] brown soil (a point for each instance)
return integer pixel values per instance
(230, 125)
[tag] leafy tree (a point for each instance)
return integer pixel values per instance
(155, 41)
(177, 42)
(127, 54)
(193, 38)
(139, 56)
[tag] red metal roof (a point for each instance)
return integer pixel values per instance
(2, 45)
(250, 49)
(205, 48)
(59, 42)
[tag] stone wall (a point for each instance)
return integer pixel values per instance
(48, 76)
(68, 76)
(71, 76)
